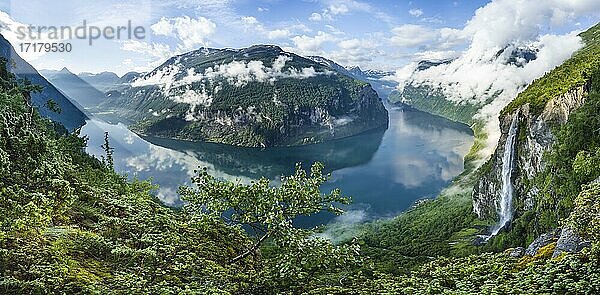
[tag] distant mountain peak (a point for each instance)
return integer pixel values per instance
(64, 70)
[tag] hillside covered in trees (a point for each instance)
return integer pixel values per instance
(71, 225)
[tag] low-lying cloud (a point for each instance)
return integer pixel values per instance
(176, 83)
(479, 72)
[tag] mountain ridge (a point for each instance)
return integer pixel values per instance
(255, 96)
(70, 116)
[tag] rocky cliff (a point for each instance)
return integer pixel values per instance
(535, 138)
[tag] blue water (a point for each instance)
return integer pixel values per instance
(384, 171)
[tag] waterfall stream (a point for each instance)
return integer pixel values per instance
(506, 211)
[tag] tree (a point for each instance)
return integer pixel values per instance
(295, 256)
(108, 150)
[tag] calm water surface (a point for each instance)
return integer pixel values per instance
(384, 171)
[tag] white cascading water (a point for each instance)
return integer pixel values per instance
(506, 211)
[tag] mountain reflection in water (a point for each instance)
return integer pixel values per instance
(384, 171)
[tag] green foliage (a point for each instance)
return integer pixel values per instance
(53, 106)
(71, 225)
(499, 273)
(428, 230)
(571, 163)
(573, 73)
(586, 215)
(585, 165)
(107, 159)
(293, 257)
(430, 100)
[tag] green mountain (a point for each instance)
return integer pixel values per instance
(257, 96)
(375, 78)
(432, 100)
(456, 244)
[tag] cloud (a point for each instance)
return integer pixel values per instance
(250, 20)
(355, 51)
(412, 35)
(156, 50)
(191, 32)
(316, 17)
(9, 27)
(175, 83)
(262, 9)
(278, 34)
(237, 73)
(501, 26)
(415, 12)
(312, 44)
(336, 8)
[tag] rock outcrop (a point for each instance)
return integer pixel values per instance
(570, 242)
(542, 241)
(534, 139)
(515, 252)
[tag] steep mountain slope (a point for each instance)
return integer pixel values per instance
(74, 87)
(69, 116)
(257, 96)
(557, 142)
(430, 99)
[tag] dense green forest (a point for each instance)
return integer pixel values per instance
(71, 224)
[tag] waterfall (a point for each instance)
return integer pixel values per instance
(506, 211)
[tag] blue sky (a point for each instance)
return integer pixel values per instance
(372, 34)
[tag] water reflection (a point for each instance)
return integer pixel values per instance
(274, 162)
(384, 171)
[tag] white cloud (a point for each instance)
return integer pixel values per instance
(278, 34)
(156, 50)
(191, 32)
(355, 51)
(9, 27)
(478, 72)
(175, 83)
(262, 9)
(338, 8)
(316, 17)
(416, 12)
(412, 35)
(250, 20)
(313, 44)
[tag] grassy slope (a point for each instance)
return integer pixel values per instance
(571, 74)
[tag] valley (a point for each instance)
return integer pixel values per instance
(392, 154)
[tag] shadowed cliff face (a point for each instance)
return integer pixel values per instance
(535, 137)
